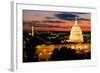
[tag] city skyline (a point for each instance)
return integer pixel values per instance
(56, 36)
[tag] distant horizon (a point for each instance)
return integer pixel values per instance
(55, 21)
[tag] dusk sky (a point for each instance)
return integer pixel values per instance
(55, 21)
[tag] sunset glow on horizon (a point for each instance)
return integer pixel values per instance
(50, 21)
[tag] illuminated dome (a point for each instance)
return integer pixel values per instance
(76, 33)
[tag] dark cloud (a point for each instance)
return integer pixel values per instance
(72, 15)
(66, 16)
(81, 13)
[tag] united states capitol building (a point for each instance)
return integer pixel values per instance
(76, 33)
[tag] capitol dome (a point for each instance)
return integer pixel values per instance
(76, 33)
